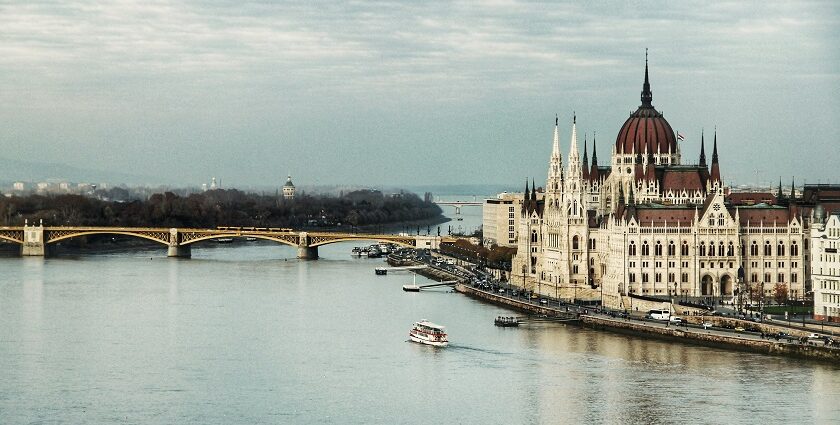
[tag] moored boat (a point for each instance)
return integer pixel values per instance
(224, 240)
(426, 332)
(381, 271)
(411, 288)
(506, 322)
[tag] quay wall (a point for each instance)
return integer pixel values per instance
(814, 352)
(514, 303)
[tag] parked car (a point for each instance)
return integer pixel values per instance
(675, 320)
(739, 329)
(543, 301)
(814, 336)
(707, 325)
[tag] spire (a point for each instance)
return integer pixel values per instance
(779, 194)
(585, 160)
(647, 96)
(555, 148)
(527, 195)
(630, 200)
(702, 150)
(593, 173)
(715, 173)
(533, 190)
(793, 188)
(714, 150)
(574, 155)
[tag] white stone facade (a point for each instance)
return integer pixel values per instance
(825, 269)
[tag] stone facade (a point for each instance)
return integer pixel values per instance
(825, 268)
(649, 225)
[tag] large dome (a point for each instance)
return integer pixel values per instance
(646, 128)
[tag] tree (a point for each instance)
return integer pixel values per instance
(780, 293)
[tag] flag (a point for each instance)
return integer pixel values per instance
(680, 136)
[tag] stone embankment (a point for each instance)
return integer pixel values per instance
(695, 336)
(516, 304)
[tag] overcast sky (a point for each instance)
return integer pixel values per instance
(411, 92)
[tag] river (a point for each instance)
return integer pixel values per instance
(245, 333)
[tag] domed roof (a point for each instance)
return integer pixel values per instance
(646, 128)
(289, 182)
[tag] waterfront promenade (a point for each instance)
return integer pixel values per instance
(719, 332)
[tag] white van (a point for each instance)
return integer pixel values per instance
(661, 314)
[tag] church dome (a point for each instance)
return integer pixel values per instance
(646, 130)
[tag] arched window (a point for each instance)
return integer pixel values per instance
(657, 250)
(672, 249)
(712, 249)
(702, 249)
(645, 248)
(721, 220)
(754, 249)
(631, 250)
(575, 269)
(684, 248)
(794, 249)
(730, 250)
(575, 242)
(533, 236)
(768, 250)
(720, 249)
(780, 251)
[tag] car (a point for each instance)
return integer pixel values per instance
(814, 336)
(543, 301)
(675, 320)
(739, 329)
(707, 325)
(501, 290)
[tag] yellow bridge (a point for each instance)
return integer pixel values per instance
(35, 240)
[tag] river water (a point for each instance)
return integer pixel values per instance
(245, 333)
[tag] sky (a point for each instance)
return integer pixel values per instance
(406, 93)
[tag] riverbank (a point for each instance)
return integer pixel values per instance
(718, 338)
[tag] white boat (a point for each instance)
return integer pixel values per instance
(426, 332)
(250, 238)
(224, 240)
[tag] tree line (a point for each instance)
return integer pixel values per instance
(214, 208)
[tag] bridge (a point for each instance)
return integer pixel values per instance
(459, 204)
(37, 240)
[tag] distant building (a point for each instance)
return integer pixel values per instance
(289, 189)
(825, 266)
(19, 186)
(213, 185)
(500, 219)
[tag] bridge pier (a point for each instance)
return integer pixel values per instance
(179, 251)
(34, 244)
(307, 252)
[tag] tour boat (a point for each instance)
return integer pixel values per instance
(426, 332)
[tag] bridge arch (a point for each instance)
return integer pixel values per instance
(69, 235)
(238, 235)
(409, 243)
(12, 238)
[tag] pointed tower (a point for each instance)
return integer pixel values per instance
(575, 172)
(792, 188)
(585, 160)
(554, 185)
(593, 172)
(779, 195)
(715, 173)
(534, 191)
(702, 149)
(647, 95)
(526, 198)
